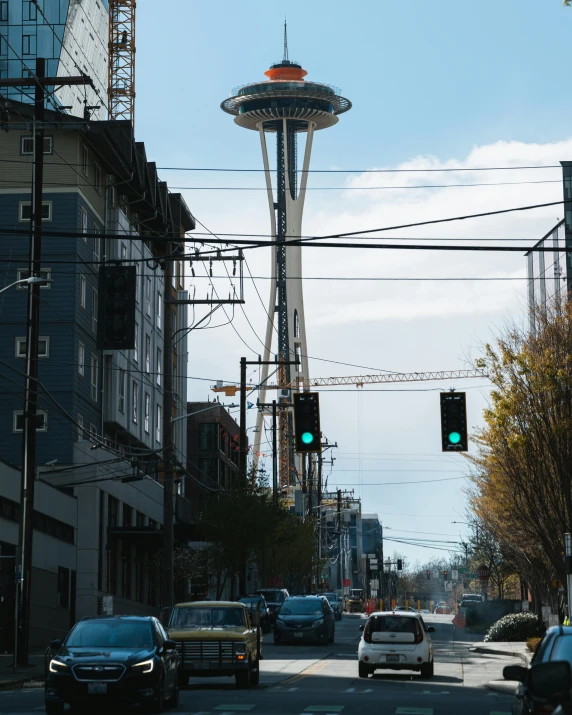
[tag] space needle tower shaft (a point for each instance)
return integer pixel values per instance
(287, 106)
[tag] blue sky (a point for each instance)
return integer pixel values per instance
(436, 85)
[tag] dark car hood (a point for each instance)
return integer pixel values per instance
(128, 656)
(299, 620)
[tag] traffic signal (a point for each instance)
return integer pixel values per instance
(399, 565)
(307, 436)
(116, 309)
(428, 575)
(454, 422)
(445, 574)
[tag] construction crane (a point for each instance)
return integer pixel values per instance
(121, 68)
(361, 380)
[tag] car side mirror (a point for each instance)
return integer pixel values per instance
(56, 644)
(361, 628)
(515, 672)
(169, 644)
(550, 681)
(430, 629)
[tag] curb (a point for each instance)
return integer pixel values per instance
(494, 651)
(20, 684)
(507, 687)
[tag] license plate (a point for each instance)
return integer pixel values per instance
(298, 635)
(201, 666)
(392, 658)
(97, 688)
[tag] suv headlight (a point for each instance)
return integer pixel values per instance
(145, 666)
(317, 623)
(240, 649)
(56, 666)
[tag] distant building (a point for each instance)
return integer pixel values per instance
(73, 38)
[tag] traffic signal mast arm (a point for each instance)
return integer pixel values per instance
(361, 380)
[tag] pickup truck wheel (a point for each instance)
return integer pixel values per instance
(255, 679)
(244, 677)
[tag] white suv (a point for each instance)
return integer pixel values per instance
(396, 641)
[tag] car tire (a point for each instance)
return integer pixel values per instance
(244, 677)
(277, 641)
(183, 679)
(54, 708)
(428, 669)
(363, 670)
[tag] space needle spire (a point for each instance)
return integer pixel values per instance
(286, 106)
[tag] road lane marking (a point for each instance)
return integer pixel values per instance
(350, 690)
(291, 690)
(324, 709)
(234, 708)
(414, 711)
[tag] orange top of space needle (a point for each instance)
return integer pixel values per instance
(287, 72)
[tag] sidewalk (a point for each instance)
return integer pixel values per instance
(514, 650)
(31, 676)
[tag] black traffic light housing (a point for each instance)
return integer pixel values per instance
(307, 436)
(116, 309)
(428, 575)
(454, 422)
(399, 564)
(445, 574)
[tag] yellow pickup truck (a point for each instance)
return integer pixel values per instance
(216, 638)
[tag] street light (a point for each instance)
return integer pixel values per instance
(28, 281)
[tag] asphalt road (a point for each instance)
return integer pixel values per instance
(312, 680)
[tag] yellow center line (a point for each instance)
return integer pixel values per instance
(311, 670)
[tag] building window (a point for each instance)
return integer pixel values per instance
(96, 245)
(137, 286)
(147, 408)
(4, 11)
(147, 354)
(159, 310)
(94, 311)
(136, 348)
(134, 403)
(27, 145)
(41, 421)
(298, 356)
(81, 359)
(122, 380)
(84, 160)
(296, 325)
(148, 295)
(63, 587)
(79, 421)
(82, 291)
(26, 211)
(83, 220)
(43, 347)
(123, 252)
(29, 12)
(209, 436)
(28, 44)
(23, 273)
(98, 186)
(94, 377)
(159, 365)
(158, 426)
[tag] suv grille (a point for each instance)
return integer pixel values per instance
(206, 650)
(98, 672)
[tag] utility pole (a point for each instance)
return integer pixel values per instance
(242, 449)
(340, 558)
(167, 579)
(28, 472)
(274, 456)
(568, 550)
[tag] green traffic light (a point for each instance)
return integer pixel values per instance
(308, 437)
(454, 437)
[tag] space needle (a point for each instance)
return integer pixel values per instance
(286, 105)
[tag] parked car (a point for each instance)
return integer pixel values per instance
(556, 645)
(274, 598)
(549, 683)
(395, 641)
(409, 609)
(305, 618)
(109, 661)
(442, 607)
(471, 599)
(258, 612)
(216, 638)
(335, 604)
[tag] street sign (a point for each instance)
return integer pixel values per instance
(448, 585)
(483, 572)
(455, 574)
(460, 621)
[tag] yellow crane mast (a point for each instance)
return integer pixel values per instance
(121, 68)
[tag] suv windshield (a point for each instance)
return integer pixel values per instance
(207, 617)
(332, 597)
(310, 607)
(111, 634)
